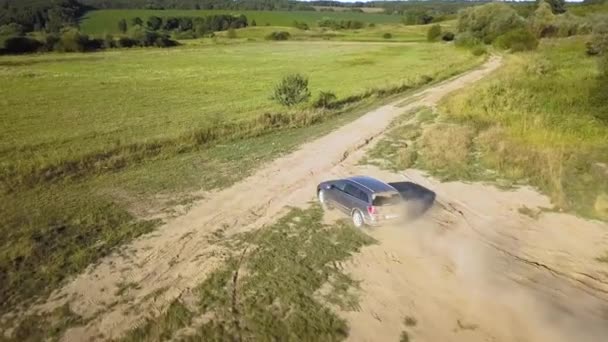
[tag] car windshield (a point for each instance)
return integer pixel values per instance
(387, 199)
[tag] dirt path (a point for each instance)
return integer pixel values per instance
(474, 269)
(116, 294)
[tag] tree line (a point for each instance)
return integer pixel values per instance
(198, 26)
(41, 15)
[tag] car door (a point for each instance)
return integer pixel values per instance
(337, 195)
(355, 197)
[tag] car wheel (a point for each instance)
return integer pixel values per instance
(323, 199)
(358, 219)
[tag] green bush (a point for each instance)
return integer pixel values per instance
(292, 90)
(433, 33)
(300, 25)
(387, 35)
(72, 41)
(231, 33)
(324, 100)
(126, 42)
(19, 45)
(280, 35)
(517, 40)
(479, 50)
(466, 40)
(487, 22)
(447, 36)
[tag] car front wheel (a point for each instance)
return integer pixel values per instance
(358, 219)
(323, 199)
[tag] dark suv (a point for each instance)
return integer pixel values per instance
(366, 200)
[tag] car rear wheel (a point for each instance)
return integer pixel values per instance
(358, 219)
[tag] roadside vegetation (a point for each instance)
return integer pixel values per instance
(540, 120)
(534, 122)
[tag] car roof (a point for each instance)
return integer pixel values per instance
(372, 184)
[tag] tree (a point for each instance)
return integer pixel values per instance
(543, 20)
(433, 33)
(557, 6)
(154, 23)
(122, 26)
(486, 22)
(137, 21)
(292, 90)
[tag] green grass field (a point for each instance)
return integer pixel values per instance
(118, 125)
(59, 107)
(106, 21)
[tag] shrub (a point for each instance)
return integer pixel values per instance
(50, 42)
(447, 36)
(253, 23)
(433, 33)
(154, 23)
(231, 33)
(599, 40)
(109, 42)
(137, 21)
(517, 40)
(72, 41)
(300, 25)
(467, 40)
(324, 100)
(487, 22)
(122, 26)
(19, 45)
(126, 42)
(543, 21)
(371, 25)
(478, 50)
(280, 35)
(292, 90)
(387, 35)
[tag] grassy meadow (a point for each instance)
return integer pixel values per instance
(108, 141)
(62, 107)
(533, 122)
(106, 21)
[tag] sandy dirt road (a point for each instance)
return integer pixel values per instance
(165, 264)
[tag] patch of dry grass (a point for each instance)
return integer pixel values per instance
(446, 147)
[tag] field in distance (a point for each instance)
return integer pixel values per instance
(61, 106)
(106, 21)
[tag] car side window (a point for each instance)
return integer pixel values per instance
(340, 185)
(355, 192)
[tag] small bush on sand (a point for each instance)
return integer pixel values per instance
(292, 90)
(387, 35)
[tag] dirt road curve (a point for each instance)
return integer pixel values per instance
(468, 270)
